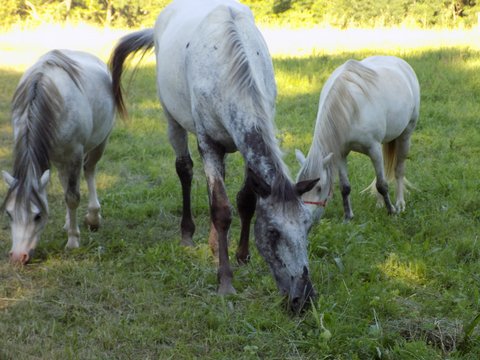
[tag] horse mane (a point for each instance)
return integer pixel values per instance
(336, 114)
(36, 104)
(244, 81)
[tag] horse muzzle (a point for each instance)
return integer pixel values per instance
(21, 257)
(301, 293)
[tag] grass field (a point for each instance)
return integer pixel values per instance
(401, 287)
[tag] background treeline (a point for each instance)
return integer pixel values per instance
(294, 13)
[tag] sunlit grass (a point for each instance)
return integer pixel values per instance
(130, 291)
(410, 272)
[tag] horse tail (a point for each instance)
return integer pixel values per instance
(138, 41)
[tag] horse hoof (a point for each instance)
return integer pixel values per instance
(226, 289)
(243, 259)
(73, 243)
(92, 225)
(186, 241)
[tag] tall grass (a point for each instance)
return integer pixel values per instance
(400, 287)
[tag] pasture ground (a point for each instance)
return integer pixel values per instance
(401, 287)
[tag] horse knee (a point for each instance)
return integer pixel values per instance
(345, 189)
(221, 216)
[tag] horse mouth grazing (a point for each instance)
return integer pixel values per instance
(22, 258)
(301, 300)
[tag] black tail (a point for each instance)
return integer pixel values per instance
(132, 43)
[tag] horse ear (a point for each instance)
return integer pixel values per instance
(9, 179)
(300, 157)
(326, 160)
(258, 185)
(305, 186)
(44, 179)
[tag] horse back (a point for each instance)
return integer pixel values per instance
(76, 89)
(395, 99)
(218, 54)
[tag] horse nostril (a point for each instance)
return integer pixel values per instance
(24, 258)
(296, 304)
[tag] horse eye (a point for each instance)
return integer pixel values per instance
(319, 189)
(37, 218)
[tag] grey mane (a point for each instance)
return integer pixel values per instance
(336, 115)
(244, 81)
(36, 106)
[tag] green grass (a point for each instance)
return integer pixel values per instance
(401, 287)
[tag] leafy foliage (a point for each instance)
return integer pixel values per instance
(339, 13)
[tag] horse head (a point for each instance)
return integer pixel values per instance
(281, 229)
(316, 198)
(27, 208)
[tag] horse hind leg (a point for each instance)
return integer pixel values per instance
(402, 148)
(381, 182)
(93, 217)
(184, 167)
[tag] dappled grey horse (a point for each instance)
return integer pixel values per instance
(62, 114)
(215, 79)
(369, 106)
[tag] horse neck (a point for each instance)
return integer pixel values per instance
(263, 156)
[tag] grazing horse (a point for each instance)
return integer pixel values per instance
(62, 114)
(215, 79)
(363, 105)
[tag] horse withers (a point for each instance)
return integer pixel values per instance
(215, 79)
(62, 114)
(369, 106)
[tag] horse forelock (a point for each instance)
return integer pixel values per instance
(340, 108)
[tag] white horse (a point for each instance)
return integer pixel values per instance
(363, 105)
(215, 79)
(62, 113)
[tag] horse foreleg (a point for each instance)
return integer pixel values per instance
(345, 188)
(246, 203)
(220, 212)
(69, 178)
(381, 184)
